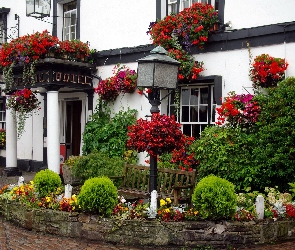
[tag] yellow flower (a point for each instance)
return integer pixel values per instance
(196, 212)
(162, 203)
(168, 200)
(48, 199)
(167, 210)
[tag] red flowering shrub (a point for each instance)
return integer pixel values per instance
(160, 135)
(178, 32)
(183, 157)
(238, 110)
(267, 71)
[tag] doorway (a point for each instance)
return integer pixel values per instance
(73, 127)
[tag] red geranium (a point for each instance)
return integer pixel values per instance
(267, 71)
(238, 110)
(161, 134)
(177, 33)
(107, 89)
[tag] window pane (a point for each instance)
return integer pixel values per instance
(194, 96)
(186, 129)
(203, 114)
(213, 114)
(186, 3)
(73, 18)
(196, 130)
(185, 96)
(204, 96)
(185, 114)
(194, 114)
(73, 33)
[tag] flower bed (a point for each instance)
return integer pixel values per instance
(188, 234)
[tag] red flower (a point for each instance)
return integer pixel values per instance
(160, 135)
(267, 71)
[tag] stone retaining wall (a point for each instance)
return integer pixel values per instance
(188, 234)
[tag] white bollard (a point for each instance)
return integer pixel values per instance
(259, 204)
(20, 181)
(153, 205)
(68, 191)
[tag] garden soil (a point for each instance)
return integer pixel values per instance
(15, 238)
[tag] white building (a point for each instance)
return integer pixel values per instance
(117, 30)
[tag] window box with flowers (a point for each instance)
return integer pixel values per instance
(2, 138)
(266, 71)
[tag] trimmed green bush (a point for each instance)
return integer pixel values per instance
(98, 195)
(46, 181)
(98, 164)
(215, 198)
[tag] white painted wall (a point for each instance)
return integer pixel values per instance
(115, 24)
(234, 66)
(112, 24)
(253, 13)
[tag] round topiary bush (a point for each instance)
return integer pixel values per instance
(215, 198)
(46, 181)
(98, 195)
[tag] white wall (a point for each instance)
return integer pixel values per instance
(115, 24)
(253, 13)
(234, 66)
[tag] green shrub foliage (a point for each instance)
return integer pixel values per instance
(274, 147)
(227, 152)
(98, 164)
(107, 132)
(98, 195)
(215, 198)
(46, 181)
(257, 157)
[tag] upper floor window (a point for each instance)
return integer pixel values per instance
(173, 4)
(2, 113)
(2, 32)
(70, 21)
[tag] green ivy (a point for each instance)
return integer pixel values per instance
(107, 132)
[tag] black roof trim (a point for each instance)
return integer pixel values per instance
(220, 41)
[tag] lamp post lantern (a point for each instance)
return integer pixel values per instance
(156, 71)
(38, 8)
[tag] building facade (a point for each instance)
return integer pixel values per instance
(117, 30)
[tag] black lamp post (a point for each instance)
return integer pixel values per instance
(156, 71)
(38, 8)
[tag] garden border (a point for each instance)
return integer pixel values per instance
(188, 234)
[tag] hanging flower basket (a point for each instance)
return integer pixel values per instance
(266, 71)
(125, 78)
(238, 110)
(23, 102)
(107, 89)
(160, 135)
(123, 81)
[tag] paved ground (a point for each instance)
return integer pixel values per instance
(16, 238)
